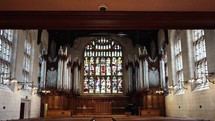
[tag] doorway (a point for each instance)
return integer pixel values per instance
(22, 110)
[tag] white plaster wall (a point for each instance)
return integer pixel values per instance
(194, 104)
(11, 102)
(35, 106)
(35, 99)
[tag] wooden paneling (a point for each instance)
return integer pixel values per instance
(118, 104)
(150, 112)
(150, 104)
(59, 113)
(103, 108)
(55, 102)
(155, 101)
(149, 101)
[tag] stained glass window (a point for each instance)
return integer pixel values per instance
(103, 67)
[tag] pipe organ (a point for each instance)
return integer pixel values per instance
(64, 71)
(43, 70)
(147, 73)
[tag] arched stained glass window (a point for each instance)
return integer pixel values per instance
(103, 67)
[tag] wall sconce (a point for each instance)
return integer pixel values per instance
(46, 91)
(23, 85)
(8, 80)
(159, 91)
(35, 90)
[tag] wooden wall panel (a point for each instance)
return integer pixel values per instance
(118, 104)
(51, 102)
(155, 101)
(161, 101)
(149, 101)
(152, 104)
(56, 102)
(103, 108)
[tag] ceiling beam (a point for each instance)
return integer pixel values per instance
(109, 20)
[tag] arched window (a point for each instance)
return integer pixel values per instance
(103, 67)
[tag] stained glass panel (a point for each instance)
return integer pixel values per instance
(86, 66)
(91, 85)
(114, 85)
(103, 85)
(97, 66)
(113, 66)
(108, 85)
(97, 83)
(108, 68)
(92, 66)
(86, 82)
(119, 85)
(119, 67)
(103, 67)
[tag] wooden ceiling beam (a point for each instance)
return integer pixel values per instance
(114, 20)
